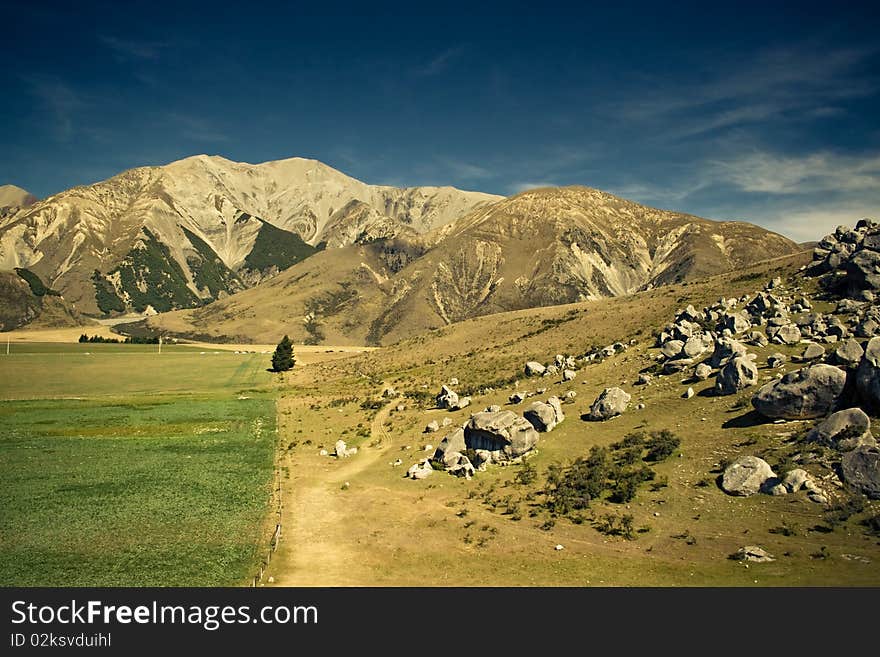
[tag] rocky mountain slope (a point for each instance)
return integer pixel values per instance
(540, 248)
(12, 197)
(24, 299)
(179, 235)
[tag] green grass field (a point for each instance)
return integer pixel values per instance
(126, 468)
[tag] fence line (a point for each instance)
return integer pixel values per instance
(276, 534)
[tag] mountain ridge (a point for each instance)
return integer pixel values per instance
(225, 204)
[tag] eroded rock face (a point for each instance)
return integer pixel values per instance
(746, 476)
(452, 444)
(843, 430)
(609, 403)
(861, 470)
(868, 374)
(807, 393)
(504, 433)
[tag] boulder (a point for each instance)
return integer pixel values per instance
(788, 334)
(795, 479)
(746, 476)
(725, 349)
(739, 372)
(813, 351)
(343, 451)
(463, 402)
(452, 444)
(517, 398)
(534, 368)
(757, 339)
(671, 348)
(736, 322)
(702, 372)
(462, 467)
(687, 394)
(843, 430)
(776, 360)
(432, 426)
(752, 553)
(693, 347)
(849, 353)
(420, 470)
(504, 434)
(807, 393)
(541, 416)
(861, 470)
(446, 422)
(568, 375)
(494, 408)
(863, 270)
(644, 379)
(610, 403)
(868, 374)
(447, 398)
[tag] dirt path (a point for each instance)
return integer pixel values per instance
(314, 550)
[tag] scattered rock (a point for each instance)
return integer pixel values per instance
(702, 372)
(813, 351)
(534, 368)
(746, 476)
(807, 393)
(610, 403)
(644, 379)
(688, 393)
(568, 375)
(517, 398)
(447, 398)
(432, 426)
(776, 360)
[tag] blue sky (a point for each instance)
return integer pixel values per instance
(766, 112)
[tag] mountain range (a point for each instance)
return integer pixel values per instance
(248, 252)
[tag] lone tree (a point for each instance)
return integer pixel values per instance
(282, 359)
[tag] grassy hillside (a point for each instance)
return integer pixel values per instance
(354, 521)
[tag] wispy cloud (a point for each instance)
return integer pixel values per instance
(195, 128)
(60, 100)
(817, 172)
(440, 62)
(791, 82)
(132, 49)
(466, 171)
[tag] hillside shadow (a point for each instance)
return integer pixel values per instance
(750, 419)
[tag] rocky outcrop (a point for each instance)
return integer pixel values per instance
(504, 434)
(807, 393)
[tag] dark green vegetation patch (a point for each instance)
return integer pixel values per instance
(105, 295)
(151, 277)
(35, 283)
(279, 248)
(208, 269)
